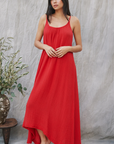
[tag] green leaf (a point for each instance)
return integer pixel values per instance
(10, 38)
(12, 94)
(13, 87)
(10, 98)
(19, 62)
(19, 85)
(2, 92)
(17, 67)
(19, 89)
(1, 38)
(25, 88)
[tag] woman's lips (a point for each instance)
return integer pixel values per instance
(55, 5)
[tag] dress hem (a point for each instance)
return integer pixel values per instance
(45, 133)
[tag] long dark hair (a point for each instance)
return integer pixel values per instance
(51, 11)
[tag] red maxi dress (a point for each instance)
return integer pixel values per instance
(53, 105)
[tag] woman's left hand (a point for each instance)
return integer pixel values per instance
(61, 51)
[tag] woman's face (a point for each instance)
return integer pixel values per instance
(56, 4)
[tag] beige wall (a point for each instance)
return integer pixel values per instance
(95, 63)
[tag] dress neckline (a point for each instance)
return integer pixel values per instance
(60, 26)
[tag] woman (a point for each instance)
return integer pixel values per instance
(52, 110)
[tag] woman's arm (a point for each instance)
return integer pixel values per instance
(61, 51)
(37, 43)
(77, 36)
(39, 34)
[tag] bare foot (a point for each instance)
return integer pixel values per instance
(45, 140)
(43, 143)
(48, 141)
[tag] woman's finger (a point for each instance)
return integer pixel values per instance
(53, 53)
(49, 54)
(58, 50)
(62, 54)
(59, 53)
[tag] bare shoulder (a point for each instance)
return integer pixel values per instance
(75, 22)
(42, 19)
(40, 29)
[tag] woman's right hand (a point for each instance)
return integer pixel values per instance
(50, 51)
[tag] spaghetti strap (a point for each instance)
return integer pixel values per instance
(69, 18)
(55, 27)
(46, 19)
(46, 23)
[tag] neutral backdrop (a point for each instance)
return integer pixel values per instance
(95, 63)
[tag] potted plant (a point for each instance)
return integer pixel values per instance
(8, 77)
